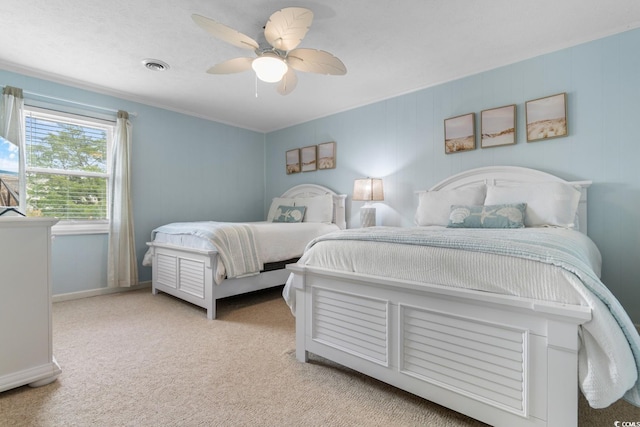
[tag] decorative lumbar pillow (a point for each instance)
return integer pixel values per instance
(434, 207)
(548, 203)
(490, 216)
(275, 203)
(289, 214)
(319, 208)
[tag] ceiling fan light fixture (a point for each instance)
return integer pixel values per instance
(269, 68)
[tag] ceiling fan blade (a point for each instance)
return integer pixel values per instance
(231, 66)
(225, 33)
(286, 28)
(315, 61)
(288, 82)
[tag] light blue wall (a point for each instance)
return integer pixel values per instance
(401, 140)
(186, 168)
(183, 168)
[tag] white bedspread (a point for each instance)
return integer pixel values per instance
(273, 241)
(608, 367)
(235, 243)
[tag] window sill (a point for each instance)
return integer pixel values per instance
(68, 228)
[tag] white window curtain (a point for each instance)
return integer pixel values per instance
(11, 129)
(122, 264)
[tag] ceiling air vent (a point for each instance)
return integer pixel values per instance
(155, 65)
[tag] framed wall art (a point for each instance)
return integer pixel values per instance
(327, 155)
(498, 126)
(547, 117)
(460, 133)
(308, 158)
(293, 161)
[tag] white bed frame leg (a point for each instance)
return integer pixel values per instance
(209, 292)
(210, 299)
(301, 353)
(211, 311)
(562, 351)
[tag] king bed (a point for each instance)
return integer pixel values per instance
(491, 306)
(201, 262)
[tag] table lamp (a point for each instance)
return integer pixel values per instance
(368, 190)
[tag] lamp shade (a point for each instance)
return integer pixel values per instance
(368, 190)
(269, 68)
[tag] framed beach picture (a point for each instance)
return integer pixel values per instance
(460, 133)
(547, 117)
(293, 161)
(327, 155)
(498, 126)
(308, 158)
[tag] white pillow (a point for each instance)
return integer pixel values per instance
(548, 203)
(275, 203)
(319, 208)
(434, 207)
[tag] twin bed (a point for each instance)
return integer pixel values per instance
(202, 262)
(492, 306)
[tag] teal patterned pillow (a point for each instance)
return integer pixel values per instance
(289, 214)
(492, 216)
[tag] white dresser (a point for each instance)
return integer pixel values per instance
(26, 354)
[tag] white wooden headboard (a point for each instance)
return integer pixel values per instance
(312, 190)
(512, 175)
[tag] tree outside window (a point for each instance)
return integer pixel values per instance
(67, 166)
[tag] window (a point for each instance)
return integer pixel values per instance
(67, 169)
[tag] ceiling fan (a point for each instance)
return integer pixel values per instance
(277, 62)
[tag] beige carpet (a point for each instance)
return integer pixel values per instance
(134, 359)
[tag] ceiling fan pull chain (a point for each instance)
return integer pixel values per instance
(256, 85)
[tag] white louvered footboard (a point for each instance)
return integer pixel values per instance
(478, 359)
(180, 273)
(352, 323)
(186, 274)
(504, 360)
(189, 275)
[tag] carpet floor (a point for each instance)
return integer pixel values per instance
(135, 359)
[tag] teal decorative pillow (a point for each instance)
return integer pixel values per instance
(289, 214)
(491, 216)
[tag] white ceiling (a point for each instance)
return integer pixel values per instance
(389, 47)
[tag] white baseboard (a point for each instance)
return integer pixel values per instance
(96, 292)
